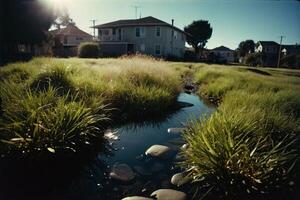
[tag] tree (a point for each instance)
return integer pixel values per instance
(246, 47)
(198, 34)
(63, 18)
(23, 22)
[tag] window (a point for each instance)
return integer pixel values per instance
(142, 48)
(119, 34)
(158, 31)
(79, 38)
(100, 32)
(175, 34)
(157, 49)
(139, 31)
(114, 31)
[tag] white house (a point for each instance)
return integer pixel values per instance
(147, 35)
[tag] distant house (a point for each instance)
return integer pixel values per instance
(269, 50)
(68, 39)
(290, 49)
(147, 35)
(222, 54)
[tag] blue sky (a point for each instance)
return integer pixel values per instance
(232, 20)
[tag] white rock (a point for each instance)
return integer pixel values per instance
(168, 194)
(159, 151)
(180, 179)
(136, 198)
(122, 172)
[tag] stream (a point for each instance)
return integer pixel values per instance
(128, 146)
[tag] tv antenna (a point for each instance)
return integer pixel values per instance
(94, 23)
(136, 10)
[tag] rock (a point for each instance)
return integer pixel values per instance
(156, 167)
(122, 172)
(159, 151)
(168, 194)
(175, 130)
(142, 171)
(180, 179)
(136, 198)
(110, 135)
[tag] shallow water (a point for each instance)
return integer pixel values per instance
(93, 182)
(134, 140)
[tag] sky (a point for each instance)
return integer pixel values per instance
(232, 20)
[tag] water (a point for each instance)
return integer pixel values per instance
(92, 180)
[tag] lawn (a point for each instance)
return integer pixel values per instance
(248, 146)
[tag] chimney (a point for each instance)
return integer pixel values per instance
(172, 22)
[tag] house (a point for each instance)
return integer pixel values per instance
(222, 54)
(290, 49)
(68, 39)
(147, 35)
(269, 51)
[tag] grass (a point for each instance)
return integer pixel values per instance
(51, 104)
(248, 147)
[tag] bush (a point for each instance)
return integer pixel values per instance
(253, 59)
(88, 50)
(45, 122)
(234, 153)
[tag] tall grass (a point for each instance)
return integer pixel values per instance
(248, 147)
(53, 104)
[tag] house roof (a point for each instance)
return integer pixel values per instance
(146, 21)
(268, 43)
(70, 30)
(221, 48)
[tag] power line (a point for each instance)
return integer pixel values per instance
(279, 53)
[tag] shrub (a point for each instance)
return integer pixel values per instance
(43, 121)
(88, 50)
(235, 154)
(253, 59)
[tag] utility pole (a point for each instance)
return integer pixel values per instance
(94, 23)
(279, 53)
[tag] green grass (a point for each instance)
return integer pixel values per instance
(55, 104)
(248, 147)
